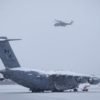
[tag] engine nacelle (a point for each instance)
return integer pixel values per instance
(94, 80)
(1, 79)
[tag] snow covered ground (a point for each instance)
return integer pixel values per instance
(16, 92)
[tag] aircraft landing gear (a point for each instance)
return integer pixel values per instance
(75, 90)
(36, 90)
(85, 90)
(55, 90)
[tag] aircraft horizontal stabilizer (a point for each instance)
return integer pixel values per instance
(6, 39)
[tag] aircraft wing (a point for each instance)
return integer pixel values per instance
(80, 78)
(66, 73)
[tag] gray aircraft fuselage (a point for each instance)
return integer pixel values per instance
(39, 82)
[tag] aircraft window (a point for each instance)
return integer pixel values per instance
(32, 73)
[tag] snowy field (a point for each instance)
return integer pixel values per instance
(16, 92)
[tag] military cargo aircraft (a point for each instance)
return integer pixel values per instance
(62, 23)
(39, 81)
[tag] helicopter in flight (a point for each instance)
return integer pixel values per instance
(62, 23)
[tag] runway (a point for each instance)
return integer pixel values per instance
(16, 92)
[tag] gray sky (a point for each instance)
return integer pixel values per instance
(74, 48)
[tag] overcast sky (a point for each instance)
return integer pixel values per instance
(73, 48)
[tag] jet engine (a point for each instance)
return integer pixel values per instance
(94, 80)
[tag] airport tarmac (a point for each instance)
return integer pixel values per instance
(16, 92)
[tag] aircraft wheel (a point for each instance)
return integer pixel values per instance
(55, 90)
(75, 90)
(36, 90)
(85, 90)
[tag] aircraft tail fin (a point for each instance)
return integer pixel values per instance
(6, 53)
